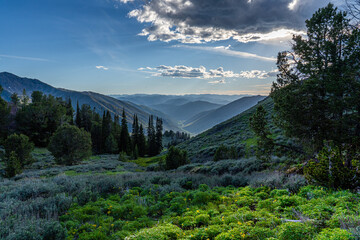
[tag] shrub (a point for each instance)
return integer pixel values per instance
(333, 234)
(175, 158)
(69, 144)
(223, 152)
(293, 230)
(162, 232)
(329, 170)
(21, 145)
(12, 165)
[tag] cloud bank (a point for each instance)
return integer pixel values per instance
(198, 21)
(201, 72)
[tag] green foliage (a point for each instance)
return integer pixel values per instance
(329, 169)
(21, 146)
(69, 144)
(334, 234)
(293, 230)
(13, 165)
(40, 119)
(4, 117)
(317, 90)
(111, 145)
(224, 152)
(175, 158)
(259, 125)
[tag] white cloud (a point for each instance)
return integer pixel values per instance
(181, 71)
(125, 1)
(199, 21)
(102, 67)
(24, 58)
(227, 51)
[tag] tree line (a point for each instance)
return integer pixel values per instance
(48, 121)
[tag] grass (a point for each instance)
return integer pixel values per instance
(146, 161)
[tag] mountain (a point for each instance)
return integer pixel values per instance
(208, 119)
(155, 99)
(14, 84)
(185, 111)
(233, 132)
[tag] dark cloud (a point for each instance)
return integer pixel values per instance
(197, 21)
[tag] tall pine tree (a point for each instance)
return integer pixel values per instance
(77, 117)
(142, 142)
(125, 142)
(158, 135)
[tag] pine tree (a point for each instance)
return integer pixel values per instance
(142, 142)
(158, 135)
(70, 111)
(135, 132)
(4, 117)
(258, 124)
(316, 95)
(106, 128)
(125, 143)
(152, 149)
(77, 117)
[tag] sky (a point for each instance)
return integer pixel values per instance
(151, 46)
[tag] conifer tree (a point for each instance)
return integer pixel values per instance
(142, 142)
(125, 143)
(158, 135)
(4, 117)
(152, 149)
(70, 111)
(106, 128)
(77, 117)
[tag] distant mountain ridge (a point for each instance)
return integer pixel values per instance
(208, 119)
(185, 111)
(15, 84)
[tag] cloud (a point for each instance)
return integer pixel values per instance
(227, 51)
(221, 81)
(181, 71)
(24, 58)
(125, 1)
(102, 67)
(198, 21)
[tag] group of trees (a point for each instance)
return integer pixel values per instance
(175, 138)
(49, 122)
(317, 95)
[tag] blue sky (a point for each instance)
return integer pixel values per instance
(158, 46)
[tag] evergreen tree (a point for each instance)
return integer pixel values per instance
(142, 142)
(70, 111)
(106, 128)
(25, 98)
(158, 135)
(175, 158)
(152, 149)
(96, 133)
(135, 132)
(316, 95)
(40, 119)
(15, 99)
(258, 124)
(77, 117)
(4, 117)
(111, 145)
(86, 117)
(125, 142)
(22, 147)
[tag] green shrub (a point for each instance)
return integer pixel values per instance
(329, 170)
(292, 230)
(175, 158)
(69, 144)
(333, 234)
(161, 232)
(12, 165)
(21, 145)
(202, 220)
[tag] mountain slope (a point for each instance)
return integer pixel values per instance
(204, 121)
(187, 110)
(12, 83)
(233, 132)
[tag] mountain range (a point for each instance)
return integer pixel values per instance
(208, 119)
(15, 84)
